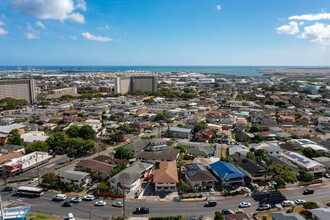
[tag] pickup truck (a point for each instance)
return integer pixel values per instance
(141, 210)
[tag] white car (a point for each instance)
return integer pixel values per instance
(148, 131)
(244, 205)
(287, 203)
(100, 203)
(212, 190)
(299, 201)
(89, 198)
(60, 197)
(33, 180)
(70, 216)
(76, 199)
(117, 204)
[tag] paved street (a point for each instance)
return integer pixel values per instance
(84, 209)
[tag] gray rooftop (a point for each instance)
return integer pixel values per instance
(73, 175)
(321, 213)
(286, 216)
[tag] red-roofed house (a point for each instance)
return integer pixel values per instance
(204, 135)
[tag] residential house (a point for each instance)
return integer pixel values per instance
(130, 178)
(5, 131)
(267, 136)
(273, 150)
(287, 120)
(304, 163)
(76, 178)
(244, 137)
(241, 149)
(176, 132)
(204, 135)
(198, 177)
(11, 148)
(286, 216)
(254, 171)
(324, 124)
(201, 151)
(101, 168)
(166, 177)
(225, 137)
(156, 157)
(320, 213)
(137, 145)
(227, 173)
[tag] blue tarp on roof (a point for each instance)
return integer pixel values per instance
(226, 170)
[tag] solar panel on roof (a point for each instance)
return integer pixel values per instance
(191, 173)
(192, 167)
(201, 167)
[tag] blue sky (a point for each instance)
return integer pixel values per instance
(165, 32)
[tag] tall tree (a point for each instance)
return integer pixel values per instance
(73, 131)
(15, 138)
(86, 132)
(123, 153)
(37, 146)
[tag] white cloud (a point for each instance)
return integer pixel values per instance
(311, 17)
(89, 36)
(291, 28)
(41, 25)
(32, 35)
(3, 31)
(218, 8)
(19, 26)
(106, 27)
(2, 23)
(61, 37)
(301, 23)
(317, 32)
(73, 37)
(48, 9)
(81, 4)
(3, 16)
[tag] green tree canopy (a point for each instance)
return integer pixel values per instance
(37, 146)
(307, 176)
(86, 132)
(50, 179)
(123, 153)
(160, 117)
(310, 152)
(311, 205)
(15, 138)
(255, 129)
(103, 187)
(73, 131)
(250, 155)
(200, 126)
(56, 141)
(282, 174)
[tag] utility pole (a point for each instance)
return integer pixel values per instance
(1, 208)
(123, 198)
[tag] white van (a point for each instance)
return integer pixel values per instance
(70, 216)
(60, 197)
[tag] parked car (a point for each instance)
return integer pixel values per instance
(59, 197)
(70, 216)
(117, 204)
(176, 199)
(299, 201)
(147, 131)
(264, 206)
(141, 210)
(8, 189)
(89, 198)
(212, 190)
(100, 203)
(67, 204)
(244, 204)
(210, 204)
(326, 175)
(33, 180)
(308, 191)
(287, 203)
(227, 211)
(76, 199)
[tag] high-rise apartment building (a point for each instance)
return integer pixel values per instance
(19, 89)
(127, 84)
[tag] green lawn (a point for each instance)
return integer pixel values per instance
(41, 217)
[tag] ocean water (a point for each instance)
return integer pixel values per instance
(228, 70)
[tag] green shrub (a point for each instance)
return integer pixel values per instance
(311, 205)
(218, 216)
